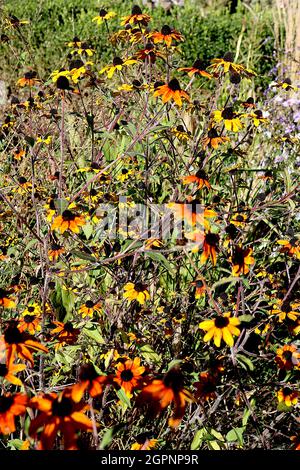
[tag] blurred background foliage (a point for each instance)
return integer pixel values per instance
(210, 27)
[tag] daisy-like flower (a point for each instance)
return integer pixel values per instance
(44, 140)
(148, 53)
(10, 407)
(205, 387)
(19, 154)
(144, 442)
(8, 370)
(210, 248)
(171, 91)
(285, 310)
(213, 139)
(23, 185)
(129, 374)
(89, 308)
(290, 247)
(198, 68)
(239, 219)
(30, 79)
(193, 212)
(30, 320)
(241, 259)
(5, 300)
(136, 17)
(14, 23)
(55, 251)
(222, 327)
(249, 103)
(65, 333)
(20, 344)
(160, 393)
(103, 16)
(117, 64)
(81, 48)
(181, 133)
(125, 174)
(230, 118)
(58, 414)
(296, 442)
(286, 84)
(226, 64)
(288, 357)
(136, 291)
(288, 396)
(68, 221)
(257, 117)
(200, 178)
(166, 35)
(199, 286)
(89, 380)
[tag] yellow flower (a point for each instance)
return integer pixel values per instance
(104, 16)
(89, 308)
(231, 120)
(287, 396)
(68, 221)
(227, 64)
(45, 141)
(223, 327)
(136, 292)
(117, 64)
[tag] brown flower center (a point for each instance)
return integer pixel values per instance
(166, 30)
(29, 318)
(126, 375)
(3, 370)
(5, 403)
(89, 304)
(68, 216)
(221, 322)
(287, 355)
(62, 408)
(228, 113)
(87, 372)
(174, 85)
(117, 61)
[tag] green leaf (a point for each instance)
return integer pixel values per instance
(245, 362)
(198, 439)
(160, 258)
(88, 230)
(123, 398)
(149, 355)
(82, 255)
(93, 331)
(61, 205)
(236, 434)
(109, 435)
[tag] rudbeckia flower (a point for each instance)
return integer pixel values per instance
(241, 259)
(291, 247)
(117, 64)
(10, 407)
(55, 251)
(213, 139)
(286, 84)
(125, 174)
(136, 17)
(30, 320)
(172, 91)
(205, 387)
(89, 308)
(230, 118)
(160, 393)
(210, 248)
(136, 291)
(30, 79)
(287, 396)
(68, 221)
(285, 310)
(200, 178)
(199, 288)
(239, 219)
(181, 133)
(249, 103)
(222, 327)
(144, 442)
(226, 64)
(20, 344)
(5, 300)
(288, 357)
(166, 35)
(89, 380)
(104, 16)
(58, 414)
(129, 374)
(198, 68)
(149, 52)
(257, 117)
(8, 370)
(14, 23)
(65, 333)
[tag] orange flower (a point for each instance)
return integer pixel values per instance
(193, 212)
(291, 247)
(200, 178)
(8, 371)
(55, 251)
(162, 392)
(136, 17)
(20, 344)
(143, 442)
(170, 91)
(129, 374)
(166, 35)
(199, 288)
(89, 380)
(210, 248)
(30, 79)
(287, 396)
(206, 387)
(288, 357)
(68, 221)
(149, 52)
(58, 413)
(5, 301)
(241, 260)
(213, 139)
(10, 407)
(197, 68)
(66, 333)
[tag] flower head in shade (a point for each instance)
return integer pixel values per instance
(205, 387)
(136, 291)
(210, 248)
(58, 414)
(166, 35)
(198, 68)
(161, 393)
(223, 327)
(10, 407)
(291, 247)
(241, 260)
(144, 442)
(30, 79)
(171, 91)
(286, 84)
(288, 357)
(288, 396)
(90, 381)
(200, 178)
(5, 300)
